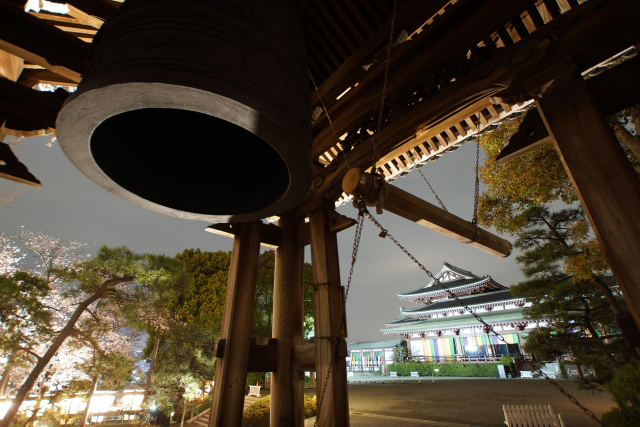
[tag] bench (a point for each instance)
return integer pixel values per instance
(393, 374)
(415, 375)
(526, 374)
(254, 390)
(531, 415)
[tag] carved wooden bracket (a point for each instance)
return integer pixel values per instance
(12, 169)
(337, 223)
(614, 90)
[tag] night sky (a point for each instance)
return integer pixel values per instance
(71, 207)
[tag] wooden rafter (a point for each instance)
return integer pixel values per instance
(30, 38)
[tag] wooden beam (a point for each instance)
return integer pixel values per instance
(103, 9)
(231, 369)
(31, 77)
(613, 91)
(287, 385)
(263, 357)
(406, 205)
(305, 357)
(10, 66)
(605, 181)
(328, 299)
(270, 233)
(30, 38)
(38, 110)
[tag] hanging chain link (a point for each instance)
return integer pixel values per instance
(334, 338)
(376, 137)
(326, 112)
(488, 328)
(427, 182)
(476, 194)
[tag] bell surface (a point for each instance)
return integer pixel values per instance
(197, 109)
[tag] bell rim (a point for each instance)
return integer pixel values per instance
(83, 112)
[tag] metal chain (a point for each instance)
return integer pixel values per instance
(326, 112)
(488, 328)
(427, 182)
(354, 256)
(476, 194)
(376, 137)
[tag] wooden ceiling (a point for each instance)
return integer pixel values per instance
(450, 60)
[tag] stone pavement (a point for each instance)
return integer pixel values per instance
(456, 402)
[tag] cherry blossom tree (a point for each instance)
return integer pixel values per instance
(87, 307)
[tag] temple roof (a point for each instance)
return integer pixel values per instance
(451, 277)
(456, 322)
(367, 345)
(470, 300)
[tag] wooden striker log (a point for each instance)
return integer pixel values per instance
(406, 205)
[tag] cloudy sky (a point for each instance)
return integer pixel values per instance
(71, 207)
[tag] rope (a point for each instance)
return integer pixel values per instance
(326, 112)
(489, 328)
(427, 182)
(376, 138)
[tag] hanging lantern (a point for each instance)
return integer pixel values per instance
(197, 109)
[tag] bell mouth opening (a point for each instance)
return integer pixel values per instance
(189, 161)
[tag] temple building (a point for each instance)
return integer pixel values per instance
(442, 330)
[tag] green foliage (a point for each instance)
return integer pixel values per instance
(568, 281)
(568, 277)
(258, 414)
(203, 306)
(535, 179)
(483, 370)
(625, 390)
(263, 312)
(400, 353)
(114, 369)
(506, 360)
(619, 418)
(255, 377)
(24, 316)
(310, 406)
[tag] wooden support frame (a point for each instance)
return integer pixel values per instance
(35, 109)
(231, 369)
(337, 223)
(578, 34)
(604, 179)
(270, 233)
(262, 357)
(328, 297)
(32, 39)
(287, 384)
(613, 91)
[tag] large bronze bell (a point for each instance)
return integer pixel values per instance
(198, 109)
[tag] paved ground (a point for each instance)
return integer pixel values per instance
(463, 402)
